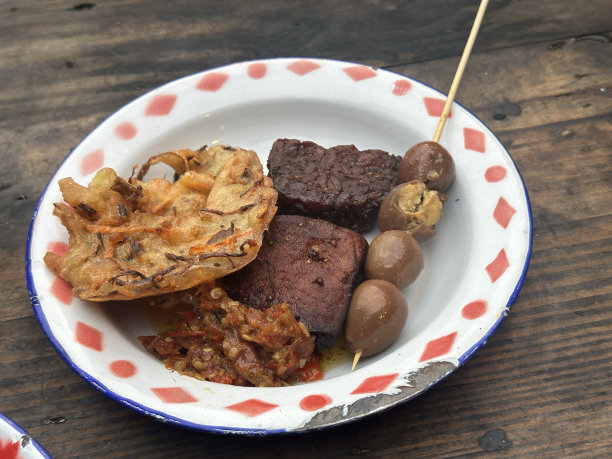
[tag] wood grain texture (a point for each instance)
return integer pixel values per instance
(539, 77)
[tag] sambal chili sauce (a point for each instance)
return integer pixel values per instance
(224, 341)
(311, 371)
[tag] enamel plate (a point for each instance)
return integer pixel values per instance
(474, 266)
(17, 443)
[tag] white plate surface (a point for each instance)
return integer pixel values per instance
(474, 266)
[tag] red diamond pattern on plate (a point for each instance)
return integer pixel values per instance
(212, 82)
(173, 395)
(126, 131)
(303, 66)
(474, 140)
(498, 266)
(252, 407)
(401, 87)
(439, 346)
(61, 290)
(58, 247)
(10, 449)
(435, 106)
(122, 368)
(375, 384)
(161, 105)
(360, 72)
(88, 336)
(503, 213)
(257, 70)
(92, 162)
(474, 310)
(314, 402)
(495, 173)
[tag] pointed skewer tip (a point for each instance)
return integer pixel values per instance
(356, 359)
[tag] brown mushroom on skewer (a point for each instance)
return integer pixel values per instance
(377, 314)
(431, 164)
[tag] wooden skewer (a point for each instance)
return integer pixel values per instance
(356, 359)
(451, 94)
(462, 63)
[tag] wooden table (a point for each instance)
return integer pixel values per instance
(540, 77)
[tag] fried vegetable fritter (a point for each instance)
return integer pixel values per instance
(131, 238)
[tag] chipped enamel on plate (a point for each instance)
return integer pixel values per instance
(474, 266)
(16, 443)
